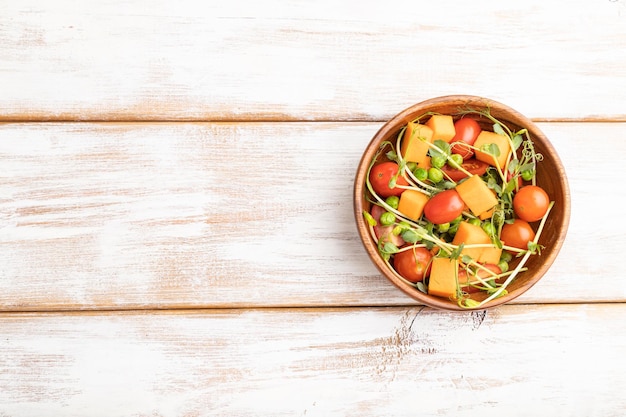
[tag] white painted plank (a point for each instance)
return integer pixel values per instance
(322, 60)
(515, 361)
(247, 214)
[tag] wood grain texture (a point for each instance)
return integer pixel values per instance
(515, 360)
(175, 215)
(293, 60)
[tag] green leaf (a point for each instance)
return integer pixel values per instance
(442, 151)
(392, 155)
(535, 248)
(389, 248)
(443, 145)
(447, 185)
(493, 184)
(369, 219)
(420, 286)
(512, 165)
(494, 290)
(411, 236)
(457, 252)
(510, 186)
(491, 149)
(527, 167)
(468, 302)
(497, 128)
(517, 141)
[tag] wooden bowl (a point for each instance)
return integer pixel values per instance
(550, 176)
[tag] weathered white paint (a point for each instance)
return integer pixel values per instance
(249, 217)
(516, 360)
(307, 60)
(117, 215)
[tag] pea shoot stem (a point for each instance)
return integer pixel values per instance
(521, 264)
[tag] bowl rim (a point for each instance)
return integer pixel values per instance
(410, 113)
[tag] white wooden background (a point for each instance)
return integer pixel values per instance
(176, 230)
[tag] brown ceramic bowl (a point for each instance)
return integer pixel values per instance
(550, 176)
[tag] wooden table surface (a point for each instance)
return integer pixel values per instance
(176, 227)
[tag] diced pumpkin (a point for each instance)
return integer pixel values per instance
(475, 193)
(442, 126)
(412, 203)
(414, 146)
(485, 138)
(490, 255)
(443, 277)
(470, 234)
(487, 214)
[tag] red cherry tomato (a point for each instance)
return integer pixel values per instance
(517, 234)
(444, 207)
(413, 264)
(381, 174)
(472, 165)
(467, 130)
(531, 203)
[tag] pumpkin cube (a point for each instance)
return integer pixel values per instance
(477, 195)
(414, 146)
(442, 126)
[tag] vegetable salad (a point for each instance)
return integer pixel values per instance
(455, 207)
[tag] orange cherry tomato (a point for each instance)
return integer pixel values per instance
(531, 203)
(413, 264)
(517, 234)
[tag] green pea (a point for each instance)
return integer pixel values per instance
(387, 218)
(455, 160)
(404, 225)
(443, 228)
(393, 201)
(475, 221)
(506, 256)
(504, 266)
(411, 166)
(438, 161)
(458, 219)
(420, 173)
(489, 228)
(528, 175)
(435, 175)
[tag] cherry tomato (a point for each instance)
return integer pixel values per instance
(472, 165)
(531, 203)
(464, 281)
(381, 174)
(467, 130)
(384, 232)
(444, 207)
(517, 234)
(413, 264)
